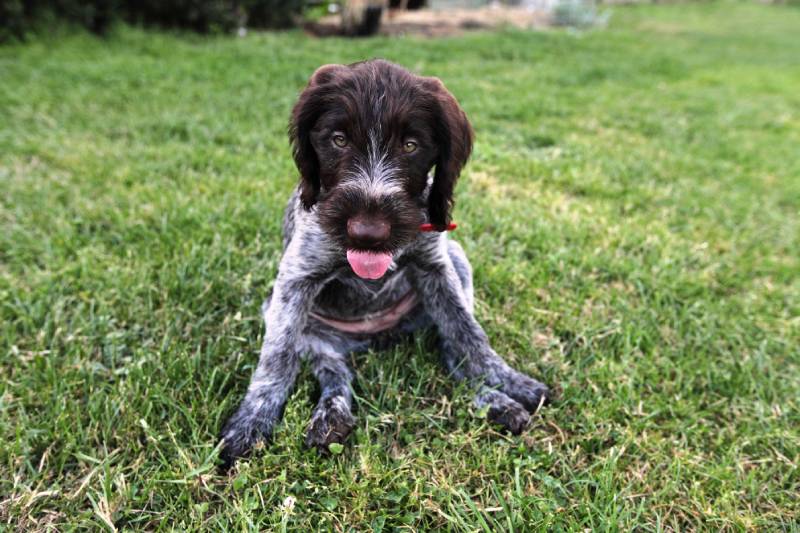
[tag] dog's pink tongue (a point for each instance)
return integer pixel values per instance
(369, 265)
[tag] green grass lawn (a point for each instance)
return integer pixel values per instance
(632, 211)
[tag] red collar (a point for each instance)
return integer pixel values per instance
(430, 227)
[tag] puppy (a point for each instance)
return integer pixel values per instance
(357, 266)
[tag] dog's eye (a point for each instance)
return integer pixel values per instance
(339, 140)
(409, 146)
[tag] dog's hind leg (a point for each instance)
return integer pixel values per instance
(502, 409)
(518, 387)
(509, 394)
(332, 420)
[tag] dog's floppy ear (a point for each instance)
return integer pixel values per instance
(305, 113)
(454, 137)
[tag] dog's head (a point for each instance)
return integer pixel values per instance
(365, 137)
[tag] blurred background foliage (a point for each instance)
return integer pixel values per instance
(20, 17)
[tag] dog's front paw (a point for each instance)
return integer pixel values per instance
(527, 391)
(512, 416)
(332, 422)
(232, 449)
(503, 410)
(240, 434)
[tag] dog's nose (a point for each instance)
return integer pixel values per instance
(368, 232)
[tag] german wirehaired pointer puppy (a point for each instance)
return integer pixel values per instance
(358, 266)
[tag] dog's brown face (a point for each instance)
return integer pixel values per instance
(365, 137)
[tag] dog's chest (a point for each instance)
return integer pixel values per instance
(349, 298)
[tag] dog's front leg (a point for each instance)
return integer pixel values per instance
(333, 419)
(508, 394)
(272, 381)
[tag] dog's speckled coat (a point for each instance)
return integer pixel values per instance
(370, 174)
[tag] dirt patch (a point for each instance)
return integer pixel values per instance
(443, 23)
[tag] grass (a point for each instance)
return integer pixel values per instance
(632, 211)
